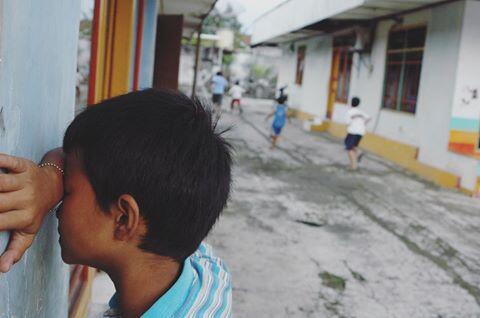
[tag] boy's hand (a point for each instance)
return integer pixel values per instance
(27, 193)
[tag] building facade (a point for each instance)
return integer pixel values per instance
(412, 65)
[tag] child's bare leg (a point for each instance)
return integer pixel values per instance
(359, 154)
(218, 109)
(274, 141)
(352, 155)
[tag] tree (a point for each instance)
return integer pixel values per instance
(227, 19)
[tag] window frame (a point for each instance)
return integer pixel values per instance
(401, 99)
(301, 55)
(344, 74)
(342, 45)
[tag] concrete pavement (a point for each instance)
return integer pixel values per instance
(305, 237)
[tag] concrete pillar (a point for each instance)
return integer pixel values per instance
(167, 51)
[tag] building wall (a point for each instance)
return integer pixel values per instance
(438, 94)
(37, 97)
(311, 96)
(399, 126)
(450, 53)
(427, 128)
(466, 108)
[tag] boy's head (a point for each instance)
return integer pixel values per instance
(355, 101)
(237, 82)
(219, 73)
(144, 172)
(282, 99)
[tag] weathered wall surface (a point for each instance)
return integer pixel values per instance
(148, 43)
(312, 96)
(38, 47)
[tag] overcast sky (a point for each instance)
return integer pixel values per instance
(249, 10)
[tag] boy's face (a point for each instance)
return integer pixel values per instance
(86, 232)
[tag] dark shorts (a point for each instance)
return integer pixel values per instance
(352, 141)
(277, 130)
(217, 99)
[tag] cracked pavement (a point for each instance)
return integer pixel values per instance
(305, 237)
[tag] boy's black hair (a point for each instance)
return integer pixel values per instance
(219, 73)
(282, 99)
(355, 101)
(160, 147)
(237, 82)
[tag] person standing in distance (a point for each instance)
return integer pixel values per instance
(236, 92)
(219, 83)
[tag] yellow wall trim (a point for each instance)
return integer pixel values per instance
(463, 137)
(292, 112)
(402, 154)
(122, 47)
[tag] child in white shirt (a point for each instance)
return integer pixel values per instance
(356, 127)
(236, 92)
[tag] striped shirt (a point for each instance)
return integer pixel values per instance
(203, 290)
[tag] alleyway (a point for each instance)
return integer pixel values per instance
(305, 237)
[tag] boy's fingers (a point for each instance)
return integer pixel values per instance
(19, 243)
(13, 220)
(9, 182)
(13, 164)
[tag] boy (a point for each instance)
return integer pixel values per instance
(146, 177)
(236, 92)
(280, 117)
(219, 84)
(356, 128)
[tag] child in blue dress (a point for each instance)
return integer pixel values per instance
(279, 119)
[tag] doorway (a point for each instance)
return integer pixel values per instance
(342, 59)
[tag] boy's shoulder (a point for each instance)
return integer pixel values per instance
(211, 287)
(204, 289)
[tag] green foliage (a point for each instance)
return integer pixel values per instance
(358, 276)
(260, 71)
(217, 20)
(85, 28)
(332, 281)
(227, 59)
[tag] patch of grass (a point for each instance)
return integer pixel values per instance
(358, 276)
(417, 227)
(333, 281)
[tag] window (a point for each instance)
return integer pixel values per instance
(343, 60)
(344, 72)
(300, 64)
(404, 65)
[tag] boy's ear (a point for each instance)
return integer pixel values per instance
(127, 218)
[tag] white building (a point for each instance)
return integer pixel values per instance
(414, 64)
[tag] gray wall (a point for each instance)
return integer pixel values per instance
(37, 93)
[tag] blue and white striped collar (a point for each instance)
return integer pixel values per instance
(170, 302)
